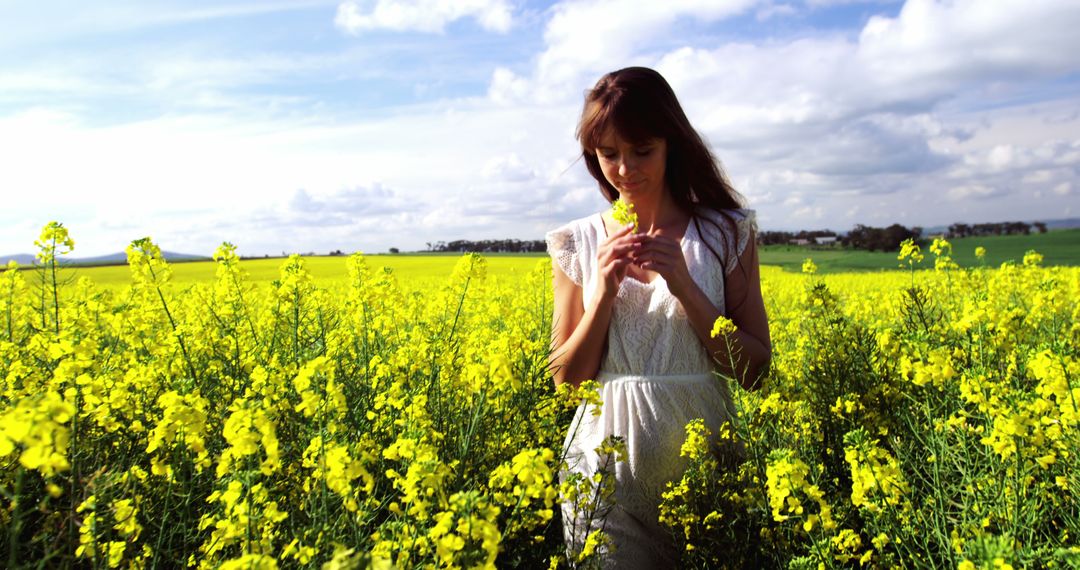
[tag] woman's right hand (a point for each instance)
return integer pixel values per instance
(613, 259)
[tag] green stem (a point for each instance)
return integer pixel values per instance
(247, 314)
(55, 288)
(10, 304)
(16, 519)
(296, 325)
(172, 322)
(161, 527)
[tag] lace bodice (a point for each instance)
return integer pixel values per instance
(649, 333)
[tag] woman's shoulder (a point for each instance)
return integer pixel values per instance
(571, 244)
(728, 232)
(731, 220)
(728, 213)
(572, 230)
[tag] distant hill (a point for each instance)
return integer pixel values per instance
(119, 258)
(20, 258)
(1065, 223)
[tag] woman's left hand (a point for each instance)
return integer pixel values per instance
(664, 255)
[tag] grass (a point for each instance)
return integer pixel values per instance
(1059, 247)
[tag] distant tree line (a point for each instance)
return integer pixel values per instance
(884, 239)
(995, 229)
(782, 238)
(490, 246)
(861, 237)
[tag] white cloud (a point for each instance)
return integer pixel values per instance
(508, 168)
(973, 191)
(810, 213)
(584, 38)
(830, 3)
(770, 10)
(506, 87)
(1038, 177)
(933, 44)
(354, 16)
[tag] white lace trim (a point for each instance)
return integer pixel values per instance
(562, 245)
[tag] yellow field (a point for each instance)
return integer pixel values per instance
(408, 268)
(415, 271)
(331, 413)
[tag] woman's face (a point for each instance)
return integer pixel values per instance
(634, 170)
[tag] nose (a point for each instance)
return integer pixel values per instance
(625, 165)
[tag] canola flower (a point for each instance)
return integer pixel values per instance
(623, 212)
(918, 418)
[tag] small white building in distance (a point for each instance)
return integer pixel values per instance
(825, 240)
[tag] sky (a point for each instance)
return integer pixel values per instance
(359, 125)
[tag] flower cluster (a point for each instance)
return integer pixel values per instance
(623, 212)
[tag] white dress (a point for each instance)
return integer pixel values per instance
(655, 377)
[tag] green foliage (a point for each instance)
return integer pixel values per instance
(1060, 247)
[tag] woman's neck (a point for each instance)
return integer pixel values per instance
(657, 211)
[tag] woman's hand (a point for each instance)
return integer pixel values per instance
(613, 258)
(664, 255)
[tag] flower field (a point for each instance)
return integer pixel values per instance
(916, 418)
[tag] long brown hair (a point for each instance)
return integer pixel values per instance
(640, 105)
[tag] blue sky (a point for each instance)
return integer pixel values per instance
(311, 125)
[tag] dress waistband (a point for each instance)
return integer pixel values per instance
(605, 377)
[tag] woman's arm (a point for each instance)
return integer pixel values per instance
(750, 345)
(578, 332)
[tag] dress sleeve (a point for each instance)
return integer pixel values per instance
(746, 229)
(563, 247)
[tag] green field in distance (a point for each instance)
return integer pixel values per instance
(1058, 247)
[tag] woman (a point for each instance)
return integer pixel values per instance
(634, 309)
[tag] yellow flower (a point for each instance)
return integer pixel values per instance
(54, 240)
(596, 540)
(126, 521)
(623, 212)
(116, 553)
(722, 326)
(1032, 258)
(910, 251)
